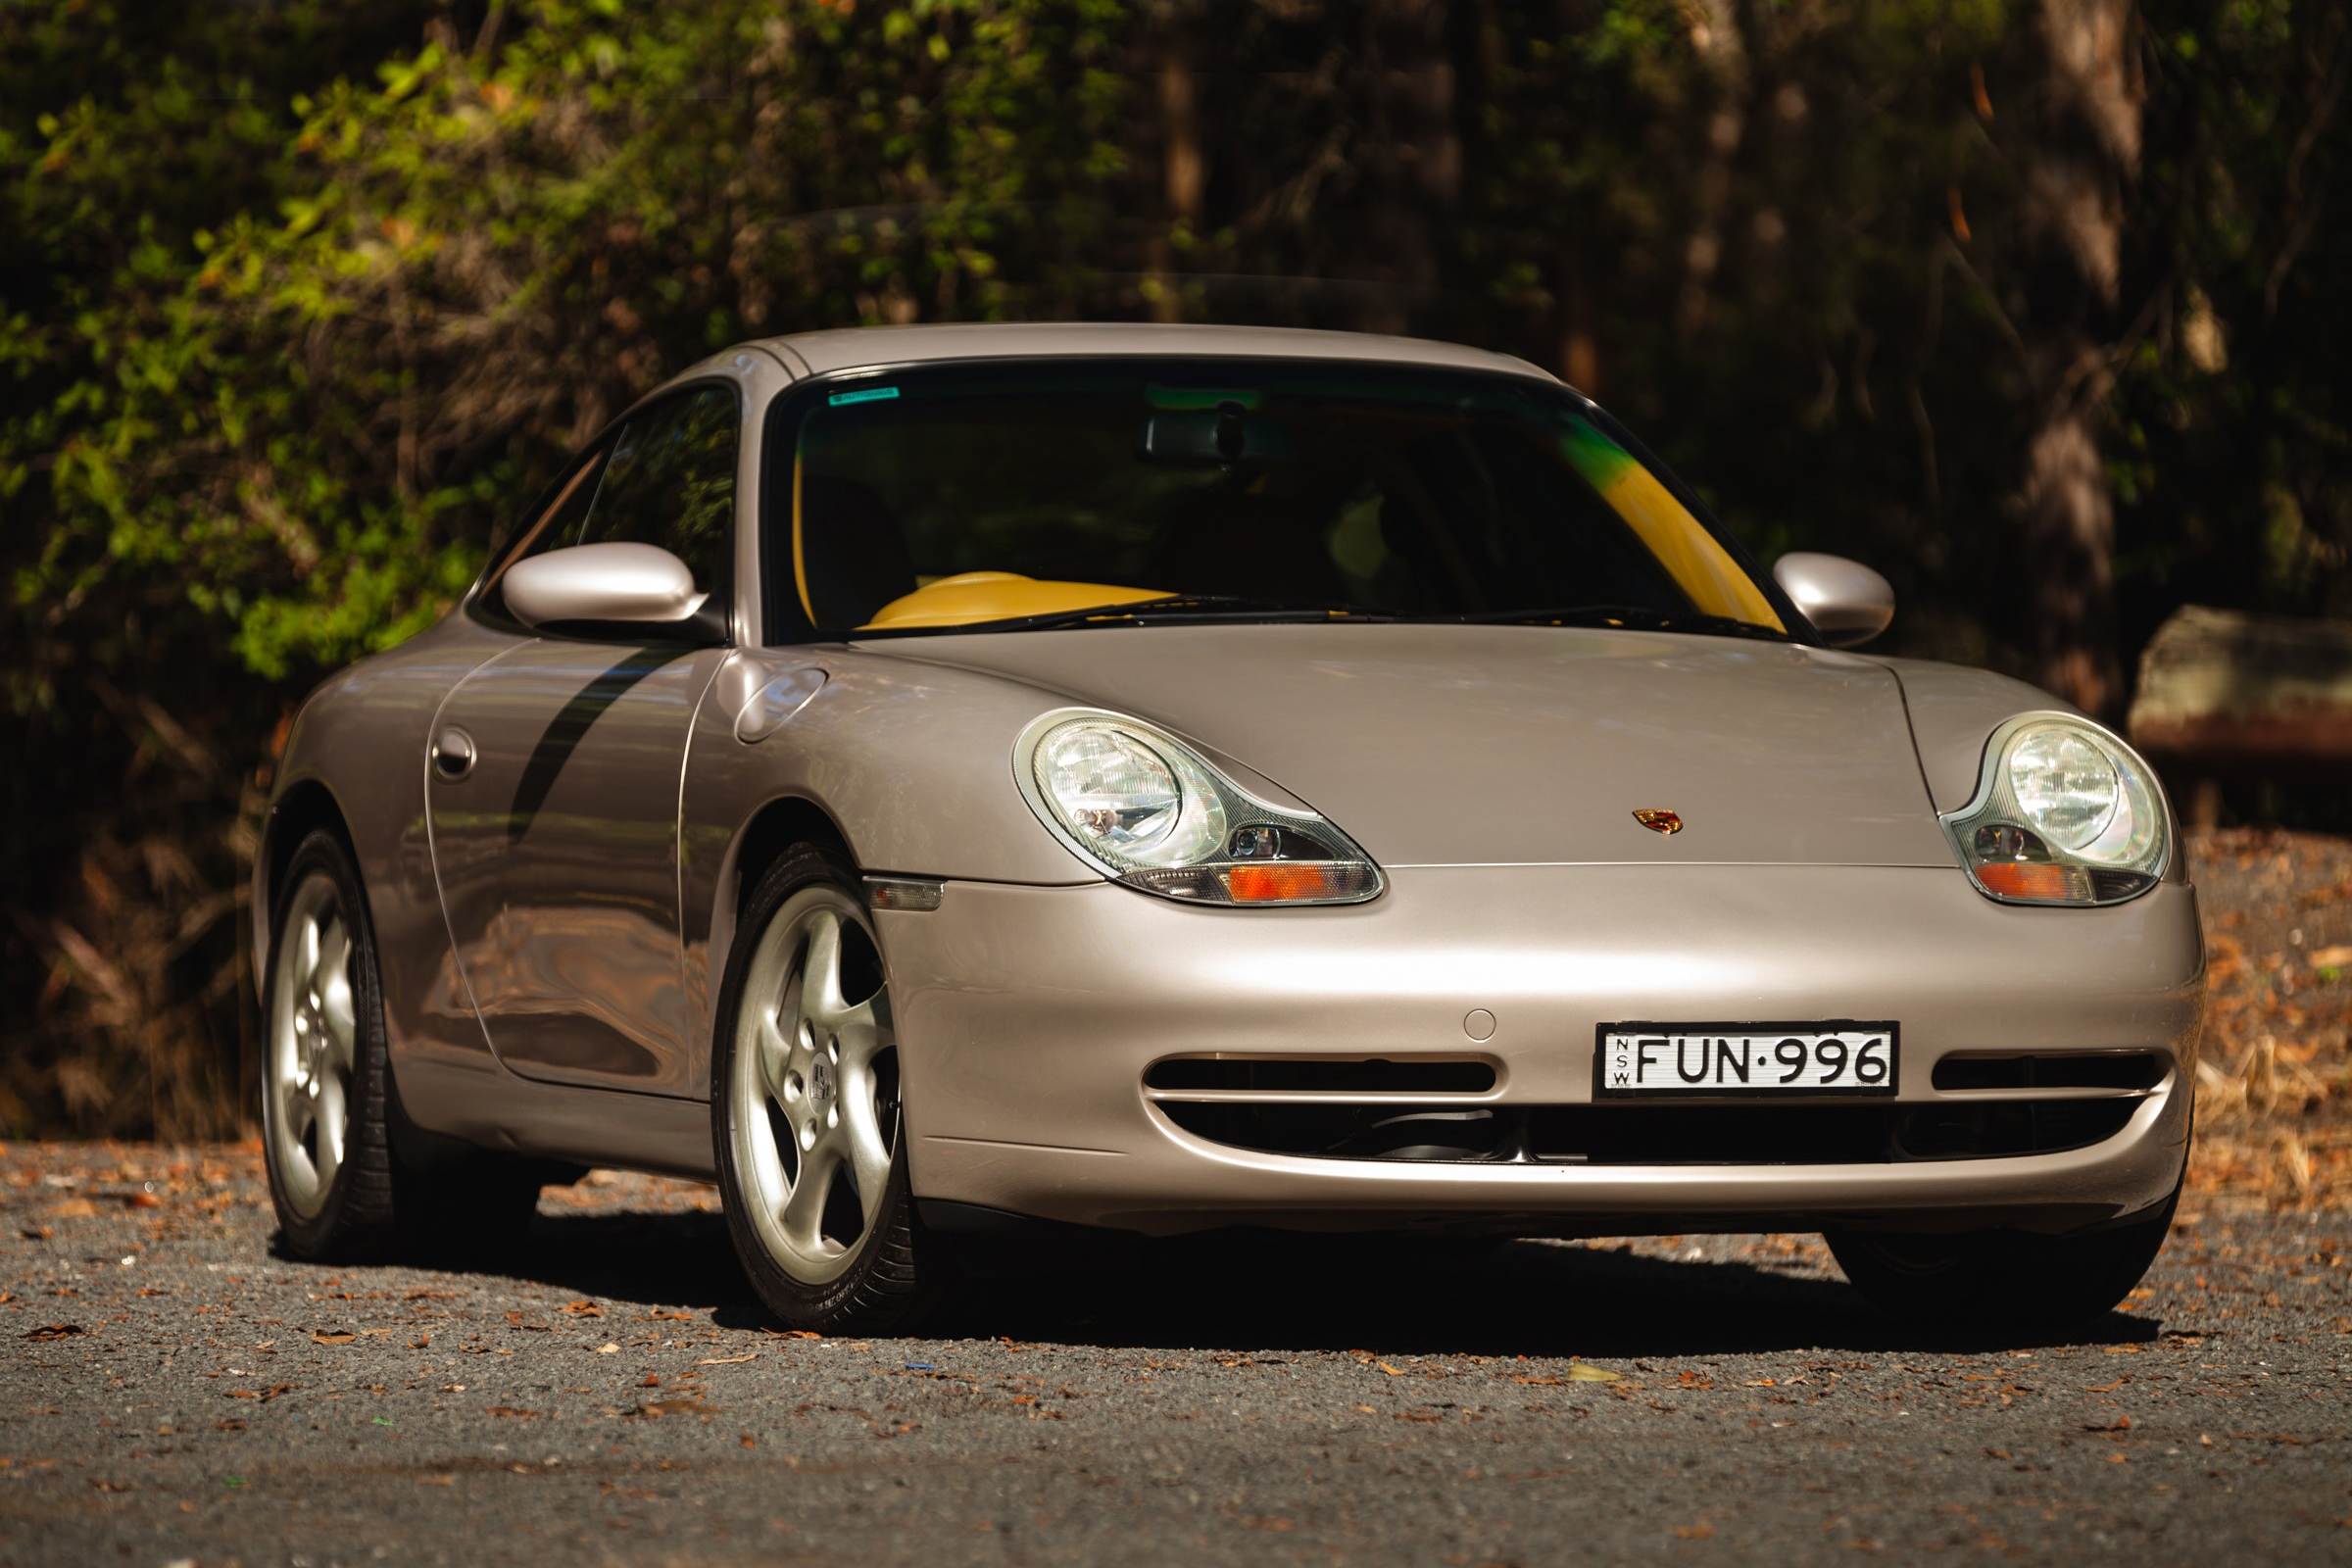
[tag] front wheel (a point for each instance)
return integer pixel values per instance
(2002, 1280)
(805, 1115)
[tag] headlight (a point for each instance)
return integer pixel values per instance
(1145, 810)
(2064, 813)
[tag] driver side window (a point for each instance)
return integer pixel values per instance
(671, 481)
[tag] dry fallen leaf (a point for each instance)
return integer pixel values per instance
(1580, 1373)
(607, 1349)
(437, 1481)
(74, 1208)
(2335, 958)
(725, 1360)
(334, 1338)
(55, 1331)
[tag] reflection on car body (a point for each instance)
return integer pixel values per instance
(940, 780)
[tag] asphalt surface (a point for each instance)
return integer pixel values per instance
(173, 1392)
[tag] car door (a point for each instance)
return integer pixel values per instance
(552, 788)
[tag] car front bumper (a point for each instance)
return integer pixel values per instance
(1027, 1017)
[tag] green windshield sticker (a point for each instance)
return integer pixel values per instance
(1601, 460)
(1186, 399)
(872, 394)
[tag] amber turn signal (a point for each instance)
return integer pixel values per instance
(1292, 882)
(2032, 880)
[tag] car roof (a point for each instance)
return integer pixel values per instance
(856, 347)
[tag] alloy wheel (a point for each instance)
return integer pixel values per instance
(313, 1039)
(814, 1114)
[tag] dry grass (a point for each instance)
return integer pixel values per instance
(2275, 1073)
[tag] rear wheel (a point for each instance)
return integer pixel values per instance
(2002, 1280)
(348, 1175)
(322, 1089)
(804, 1111)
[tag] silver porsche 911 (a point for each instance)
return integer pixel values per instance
(933, 781)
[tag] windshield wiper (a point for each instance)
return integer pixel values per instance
(1632, 617)
(1179, 608)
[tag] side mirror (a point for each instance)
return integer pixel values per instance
(620, 585)
(1846, 602)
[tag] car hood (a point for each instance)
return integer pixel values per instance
(1517, 745)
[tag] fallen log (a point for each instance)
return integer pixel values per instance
(2222, 693)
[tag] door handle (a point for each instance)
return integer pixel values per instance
(453, 753)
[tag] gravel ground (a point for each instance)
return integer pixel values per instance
(176, 1393)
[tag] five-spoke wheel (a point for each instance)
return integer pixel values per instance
(816, 1114)
(313, 1044)
(807, 1107)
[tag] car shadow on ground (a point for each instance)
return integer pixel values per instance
(1260, 1291)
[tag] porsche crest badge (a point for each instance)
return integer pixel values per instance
(1659, 822)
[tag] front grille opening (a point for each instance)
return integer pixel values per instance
(1312, 1076)
(1660, 1134)
(2108, 1069)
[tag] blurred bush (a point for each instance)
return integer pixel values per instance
(2026, 302)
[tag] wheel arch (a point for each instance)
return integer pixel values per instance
(766, 836)
(766, 839)
(307, 804)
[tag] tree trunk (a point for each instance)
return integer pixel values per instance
(1412, 159)
(1183, 166)
(2085, 150)
(1716, 37)
(1580, 324)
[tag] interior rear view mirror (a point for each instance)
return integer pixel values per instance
(1225, 436)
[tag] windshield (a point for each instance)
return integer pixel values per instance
(1112, 491)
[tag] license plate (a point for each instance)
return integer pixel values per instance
(1652, 1059)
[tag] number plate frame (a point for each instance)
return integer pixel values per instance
(1761, 1038)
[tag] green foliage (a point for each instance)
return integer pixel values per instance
(299, 298)
(312, 414)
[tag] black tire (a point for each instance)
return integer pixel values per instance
(2003, 1281)
(894, 1275)
(355, 1213)
(395, 1190)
